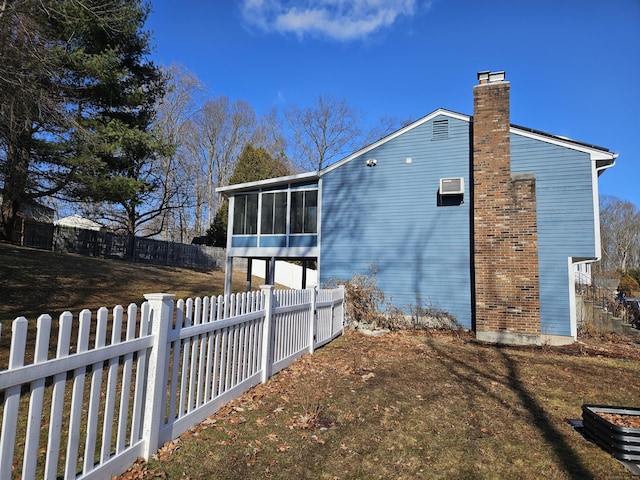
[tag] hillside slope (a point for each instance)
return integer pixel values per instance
(33, 282)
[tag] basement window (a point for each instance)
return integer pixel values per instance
(440, 130)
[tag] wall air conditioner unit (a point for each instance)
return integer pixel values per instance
(452, 186)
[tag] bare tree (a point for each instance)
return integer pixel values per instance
(181, 102)
(324, 132)
(269, 134)
(385, 126)
(225, 128)
(620, 234)
(195, 152)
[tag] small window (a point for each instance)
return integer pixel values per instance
(440, 129)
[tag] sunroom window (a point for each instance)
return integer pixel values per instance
(274, 213)
(304, 209)
(245, 214)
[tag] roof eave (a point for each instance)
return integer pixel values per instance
(270, 182)
(598, 154)
(397, 133)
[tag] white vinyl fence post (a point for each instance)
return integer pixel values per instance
(161, 315)
(343, 307)
(267, 333)
(313, 320)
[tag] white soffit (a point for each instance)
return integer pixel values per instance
(269, 182)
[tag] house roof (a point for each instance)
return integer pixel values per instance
(77, 221)
(35, 210)
(397, 133)
(602, 156)
(269, 182)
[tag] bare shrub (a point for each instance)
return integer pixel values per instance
(588, 330)
(364, 299)
(430, 316)
(629, 286)
(311, 411)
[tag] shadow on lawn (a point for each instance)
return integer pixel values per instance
(565, 454)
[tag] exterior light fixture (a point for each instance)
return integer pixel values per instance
(371, 162)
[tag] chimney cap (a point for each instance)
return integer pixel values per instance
(487, 76)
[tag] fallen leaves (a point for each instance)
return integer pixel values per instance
(379, 416)
(164, 453)
(261, 421)
(367, 376)
(237, 420)
(318, 440)
(621, 420)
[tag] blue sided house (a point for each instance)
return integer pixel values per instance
(471, 214)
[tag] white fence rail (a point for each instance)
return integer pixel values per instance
(91, 400)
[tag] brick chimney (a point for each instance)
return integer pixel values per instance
(505, 239)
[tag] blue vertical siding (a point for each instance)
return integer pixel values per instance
(387, 217)
(566, 223)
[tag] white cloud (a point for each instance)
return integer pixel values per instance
(337, 19)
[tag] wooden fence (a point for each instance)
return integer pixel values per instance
(103, 244)
(89, 401)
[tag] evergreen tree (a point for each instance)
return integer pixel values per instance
(217, 233)
(77, 104)
(254, 164)
(257, 164)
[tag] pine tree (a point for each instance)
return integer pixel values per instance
(77, 104)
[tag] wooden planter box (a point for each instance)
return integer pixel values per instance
(621, 442)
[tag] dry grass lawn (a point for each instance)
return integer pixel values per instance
(33, 282)
(401, 406)
(410, 406)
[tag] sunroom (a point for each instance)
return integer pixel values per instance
(270, 220)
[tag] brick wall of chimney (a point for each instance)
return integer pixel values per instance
(505, 242)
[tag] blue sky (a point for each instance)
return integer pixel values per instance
(574, 65)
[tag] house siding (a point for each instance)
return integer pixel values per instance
(387, 218)
(566, 223)
(528, 216)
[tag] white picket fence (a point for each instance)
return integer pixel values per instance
(166, 368)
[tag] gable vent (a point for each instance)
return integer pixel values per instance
(440, 129)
